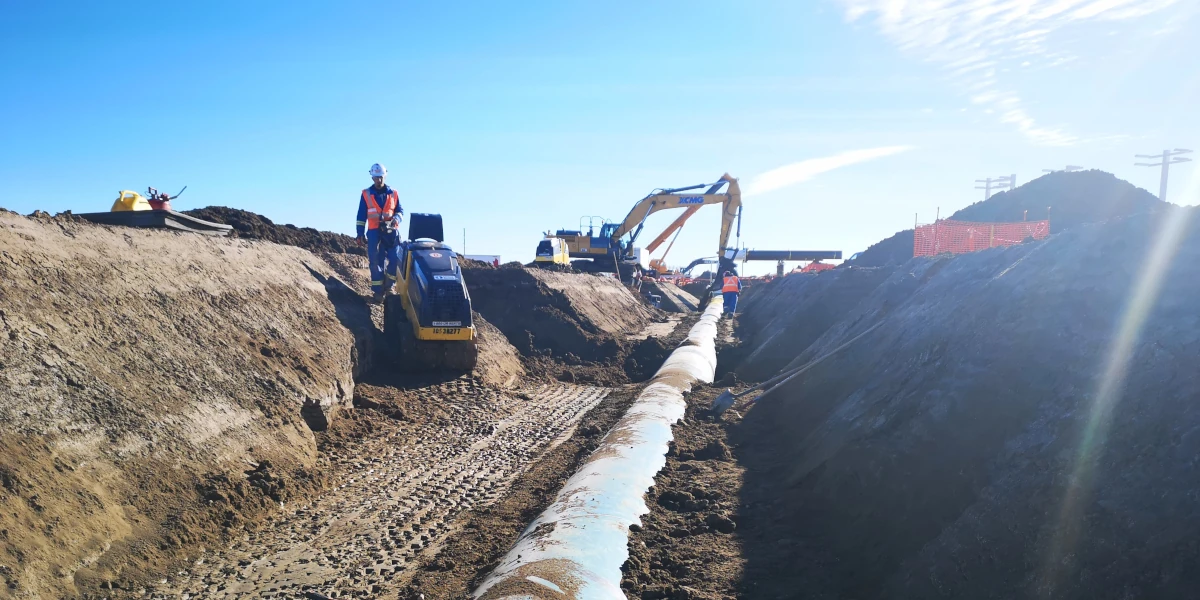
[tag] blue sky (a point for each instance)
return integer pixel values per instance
(843, 117)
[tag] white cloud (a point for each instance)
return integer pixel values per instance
(974, 40)
(805, 170)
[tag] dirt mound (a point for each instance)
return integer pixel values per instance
(781, 318)
(129, 439)
(674, 298)
(688, 545)
(888, 252)
(1067, 199)
(499, 363)
(1021, 424)
(698, 289)
(253, 226)
(570, 317)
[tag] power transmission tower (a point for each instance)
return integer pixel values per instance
(986, 187)
(1004, 182)
(1167, 158)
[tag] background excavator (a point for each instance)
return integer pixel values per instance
(659, 265)
(608, 250)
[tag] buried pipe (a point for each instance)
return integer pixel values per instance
(576, 547)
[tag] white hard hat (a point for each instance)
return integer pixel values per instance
(378, 170)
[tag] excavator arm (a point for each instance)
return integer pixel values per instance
(731, 201)
(675, 225)
(730, 210)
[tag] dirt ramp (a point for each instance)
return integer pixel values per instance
(559, 314)
(158, 392)
(1013, 429)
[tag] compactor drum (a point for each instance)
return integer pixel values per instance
(428, 317)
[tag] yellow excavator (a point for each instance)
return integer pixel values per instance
(608, 250)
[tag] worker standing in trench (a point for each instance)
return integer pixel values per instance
(380, 213)
(731, 286)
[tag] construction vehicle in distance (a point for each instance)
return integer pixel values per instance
(659, 265)
(428, 317)
(551, 251)
(608, 251)
(707, 260)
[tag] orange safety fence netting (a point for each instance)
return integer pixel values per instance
(958, 237)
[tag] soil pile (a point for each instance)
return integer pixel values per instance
(253, 226)
(890, 251)
(674, 298)
(698, 289)
(1021, 424)
(570, 317)
(1067, 199)
(781, 318)
(159, 391)
(688, 545)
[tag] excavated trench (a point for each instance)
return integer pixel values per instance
(300, 466)
(432, 461)
(1007, 428)
(1016, 423)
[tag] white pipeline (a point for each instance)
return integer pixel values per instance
(575, 548)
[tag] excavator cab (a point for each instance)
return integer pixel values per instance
(428, 319)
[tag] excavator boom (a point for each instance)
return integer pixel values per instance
(730, 201)
(675, 225)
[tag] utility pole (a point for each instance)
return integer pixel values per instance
(1004, 182)
(1167, 158)
(986, 187)
(1069, 169)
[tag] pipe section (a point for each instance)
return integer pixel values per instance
(576, 547)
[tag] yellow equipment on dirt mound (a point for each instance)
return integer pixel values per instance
(428, 319)
(551, 251)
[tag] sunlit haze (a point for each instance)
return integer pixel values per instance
(844, 119)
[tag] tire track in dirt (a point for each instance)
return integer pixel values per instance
(397, 498)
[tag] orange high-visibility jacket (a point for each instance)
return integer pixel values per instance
(731, 284)
(375, 212)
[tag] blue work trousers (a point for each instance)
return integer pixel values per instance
(383, 258)
(730, 301)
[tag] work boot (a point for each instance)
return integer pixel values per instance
(378, 297)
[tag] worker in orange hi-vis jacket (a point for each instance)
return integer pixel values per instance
(379, 216)
(731, 286)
